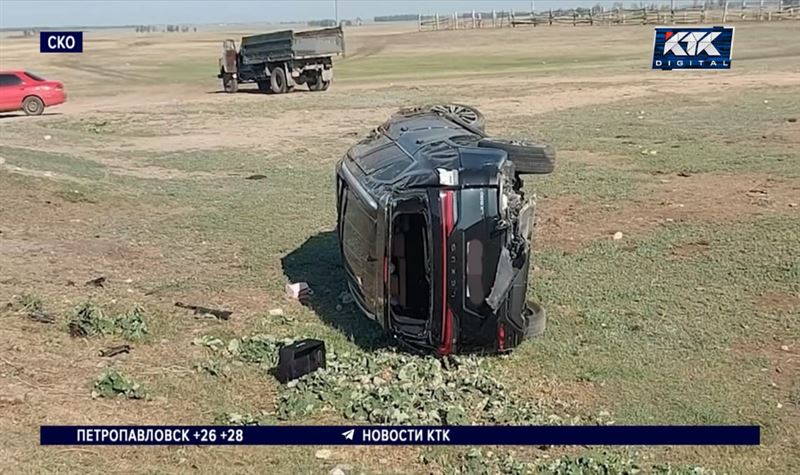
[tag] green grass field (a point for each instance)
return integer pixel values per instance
(693, 317)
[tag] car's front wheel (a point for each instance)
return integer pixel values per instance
(32, 105)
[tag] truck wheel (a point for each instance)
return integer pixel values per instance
(537, 319)
(528, 158)
(318, 84)
(229, 84)
(468, 114)
(32, 105)
(277, 80)
(263, 86)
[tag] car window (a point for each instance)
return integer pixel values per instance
(358, 231)
(358, 240)
(35, 77)
(392, 171)
(9, 80)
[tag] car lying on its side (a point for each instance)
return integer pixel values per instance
(435, 230)
(25, 91)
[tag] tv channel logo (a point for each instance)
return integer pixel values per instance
(693, 48)
(61, 42)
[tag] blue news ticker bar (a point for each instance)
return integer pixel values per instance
(400, 435)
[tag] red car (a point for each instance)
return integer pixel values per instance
(23, 90)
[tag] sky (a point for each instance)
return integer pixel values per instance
(48, 13)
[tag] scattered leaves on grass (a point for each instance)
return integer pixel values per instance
(210, 342)
(31, 303)
(484, 461)
(34, 306)
(214, 367)
(389, 387)
(257, 348)
(393, 388)
(89, 320)
(112, 383)
(236, 419)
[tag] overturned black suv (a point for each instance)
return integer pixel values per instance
(435, 230)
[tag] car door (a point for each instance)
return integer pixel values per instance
(12, 92)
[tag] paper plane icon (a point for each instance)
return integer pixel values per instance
(349, 434)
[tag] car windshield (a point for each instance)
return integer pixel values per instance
(35, 77)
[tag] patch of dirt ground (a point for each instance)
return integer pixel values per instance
(571, 222)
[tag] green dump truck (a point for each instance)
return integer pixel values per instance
(281, 60)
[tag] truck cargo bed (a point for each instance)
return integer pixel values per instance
(287, 44)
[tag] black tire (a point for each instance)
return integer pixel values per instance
(32, 105)
(528, 158)
(277, 80)
(229, 84)
(537, 319)
(264, 86)
(317, 84)
(467, 114)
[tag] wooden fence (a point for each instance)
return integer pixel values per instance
(656, 14)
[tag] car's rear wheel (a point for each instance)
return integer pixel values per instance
(277, 80)
(528, 158)
(467, 114)
(537, 319)
(32, 105)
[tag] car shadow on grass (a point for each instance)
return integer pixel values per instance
(317, 261)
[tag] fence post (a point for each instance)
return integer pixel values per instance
(511, 20)
(725, 12)
(644, 16)
(419, 22)
(744, 5)
(574, 18)
(455, 21)
(473, 19)
(672, 11)
(436, 24)
(550, 18)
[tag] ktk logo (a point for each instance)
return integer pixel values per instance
(693, 48)
(696, 42)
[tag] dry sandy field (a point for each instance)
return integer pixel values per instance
(692, 317)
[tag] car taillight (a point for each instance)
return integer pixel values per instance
(501, 336)
(448, 222)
